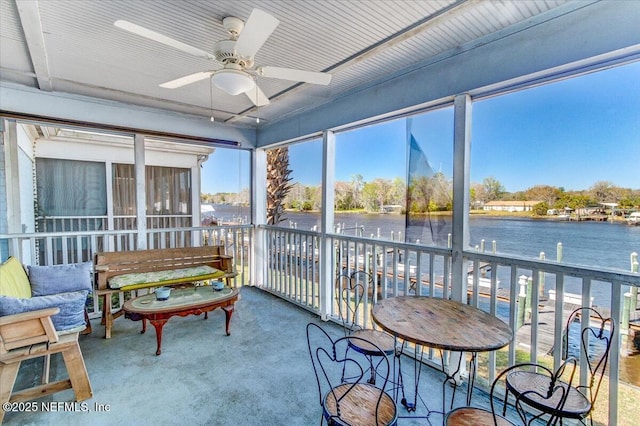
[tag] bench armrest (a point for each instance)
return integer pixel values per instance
(27, 328)
(27, 316)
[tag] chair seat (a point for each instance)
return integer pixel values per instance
(472, 416)
(382, 340)
(358, 407)
(520, 382)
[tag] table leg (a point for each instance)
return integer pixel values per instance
(144, 326)
(228, 311)
(472, 376)
(449, 378)
(158, 324)
(417, 368)
(453, 379)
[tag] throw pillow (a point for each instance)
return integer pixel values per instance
(60, 278)
(13, 279)
(71, 306)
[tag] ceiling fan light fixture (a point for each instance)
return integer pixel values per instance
(233, 81)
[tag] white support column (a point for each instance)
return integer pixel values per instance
(259, 215)
(12, 177)
(461, 187)
(108, 170)
(196, 237)
(327, 220)
(460, 229)
(141, 186)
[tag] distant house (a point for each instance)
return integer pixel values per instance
(510, 206)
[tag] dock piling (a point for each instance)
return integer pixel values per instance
(541, 277)
(522, 301)
(559, 252)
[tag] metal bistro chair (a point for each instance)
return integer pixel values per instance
(354, 403)
(555, 395)
(351, 291)
(594, 347)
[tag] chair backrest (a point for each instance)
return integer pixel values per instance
(351, 292)
(594, 346)
(553, 395)
(330, 360)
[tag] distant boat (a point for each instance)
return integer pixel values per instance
(634, 219)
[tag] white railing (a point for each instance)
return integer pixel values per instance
(511, 288)
(100, 223)
(54, 248)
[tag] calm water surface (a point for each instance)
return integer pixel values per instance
(602, 244)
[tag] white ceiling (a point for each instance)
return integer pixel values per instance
(73, 47)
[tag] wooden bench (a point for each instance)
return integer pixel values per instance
(145, 269)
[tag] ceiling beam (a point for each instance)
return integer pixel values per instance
(32, 28)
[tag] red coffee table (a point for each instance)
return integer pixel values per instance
(182, 302)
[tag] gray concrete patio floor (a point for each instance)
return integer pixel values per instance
(260, 375)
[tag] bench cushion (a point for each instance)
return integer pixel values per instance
(71, 306)
(138, 280)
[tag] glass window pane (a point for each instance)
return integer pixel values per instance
(555, 169)
(70, 188)
(226, 187)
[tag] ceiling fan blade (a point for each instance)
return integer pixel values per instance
(256, 31)
(257, 96)
(160, 38)
(187, 79)
(322, 78)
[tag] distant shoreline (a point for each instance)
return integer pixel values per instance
(492, 213)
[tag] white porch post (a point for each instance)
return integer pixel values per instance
(327, 219)
(461, 187)
(259, 215)
(196, 189)
(108, 171)
(12, 177)
(141, 184)
(460, 229)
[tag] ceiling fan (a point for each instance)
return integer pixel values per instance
(234, 71)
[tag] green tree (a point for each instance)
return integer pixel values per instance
(278, 186)
(541, 208)
(493, 188)
(603, 192)
(548, 194)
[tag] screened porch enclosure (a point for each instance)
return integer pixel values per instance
(97, 155)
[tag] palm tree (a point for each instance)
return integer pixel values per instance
(278, 185)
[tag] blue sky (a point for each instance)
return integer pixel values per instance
(569, 134)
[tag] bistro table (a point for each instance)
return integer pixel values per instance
(441, 324)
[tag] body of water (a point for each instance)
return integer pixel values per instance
(602, 244)
(583, 243)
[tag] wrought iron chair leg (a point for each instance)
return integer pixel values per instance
(372, 380)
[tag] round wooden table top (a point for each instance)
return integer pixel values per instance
(441, 323)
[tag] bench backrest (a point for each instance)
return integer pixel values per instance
(111, 264)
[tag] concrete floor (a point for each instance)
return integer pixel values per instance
(260, 375)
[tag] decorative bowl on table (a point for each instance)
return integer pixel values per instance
(162, 293)
(218, 285)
